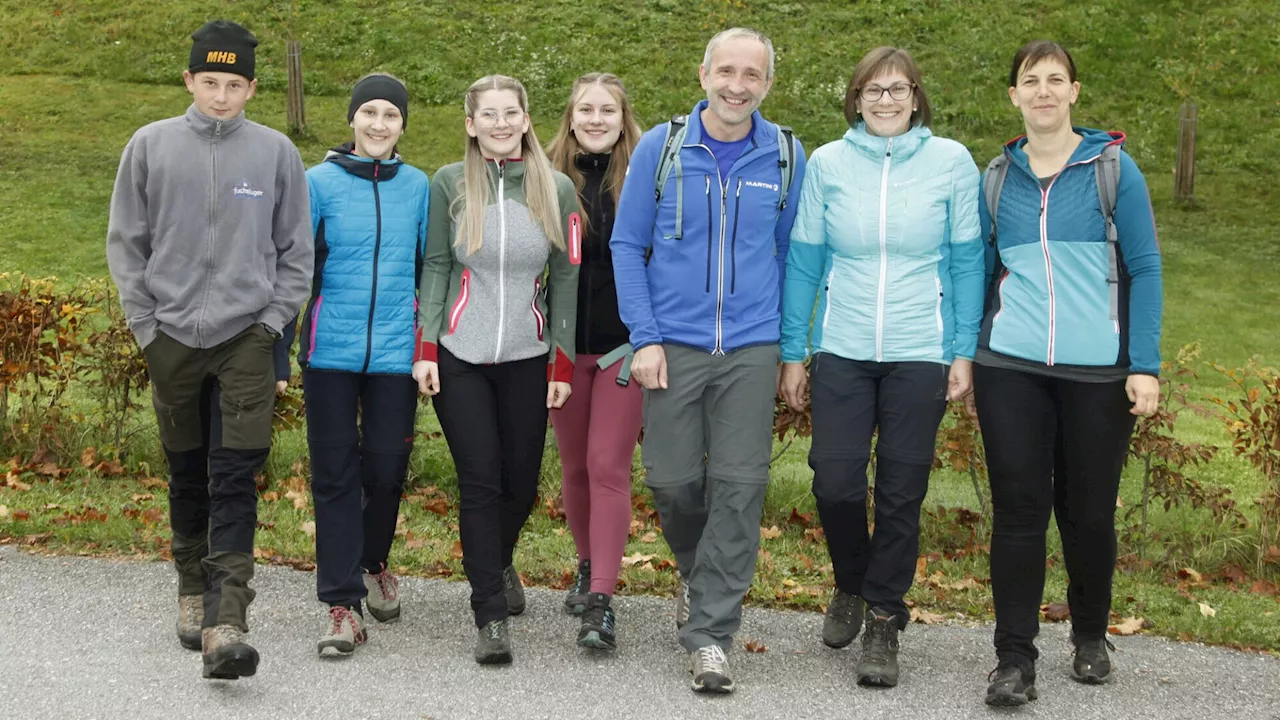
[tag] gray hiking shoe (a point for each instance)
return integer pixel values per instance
(344, 633)
(226, 655)
(843, 619)
(383, 596)
(514, 591)
(710, 670)
(190, 618)
(878, 666)
(682, 604)
(575, 603)
(493, 644)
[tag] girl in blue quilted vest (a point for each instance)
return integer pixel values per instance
(369, 215)
(1068, 356)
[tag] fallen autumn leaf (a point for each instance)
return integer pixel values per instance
(1128, 626)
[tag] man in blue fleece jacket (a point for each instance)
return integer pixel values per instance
(698, 269)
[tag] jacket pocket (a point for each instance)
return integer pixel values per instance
(540, 322)
(938, 309)
(455, 313)
(315, 322)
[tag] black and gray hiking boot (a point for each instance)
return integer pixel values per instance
(493, 643)
(1092, 664)
(576, 601)
(843, 619)
(514, 591)
(1012, 684)
(598, 622)
(878, 666)
(226, 654)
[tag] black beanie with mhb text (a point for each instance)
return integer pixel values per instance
(223, 46)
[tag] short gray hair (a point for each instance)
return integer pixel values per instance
(734, 34)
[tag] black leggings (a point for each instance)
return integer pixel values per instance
(1051, 445)
(494, 418)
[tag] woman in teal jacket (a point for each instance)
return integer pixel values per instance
(886, 241)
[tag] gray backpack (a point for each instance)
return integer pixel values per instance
(670, 160)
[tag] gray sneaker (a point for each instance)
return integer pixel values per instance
(493, 644)
(682, 604)
(843, 619)
(190, 618)
(383, 596)
(513, 589)
(345, 632)
(710, 670)
(226, 654)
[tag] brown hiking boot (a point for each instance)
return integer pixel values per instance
(226, 654)
(190, 618)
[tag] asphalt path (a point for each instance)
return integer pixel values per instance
(90, 638)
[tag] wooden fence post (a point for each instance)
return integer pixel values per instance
(297, 115)
(1184, 177)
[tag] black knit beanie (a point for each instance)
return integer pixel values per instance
(223, 46)
(380, 87)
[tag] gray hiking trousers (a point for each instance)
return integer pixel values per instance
(707, 442)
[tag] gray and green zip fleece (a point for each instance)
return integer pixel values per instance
(491, 307)
(210, 229)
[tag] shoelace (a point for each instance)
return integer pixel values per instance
(991, 676)
(227, 635)
(608, 621)
(842, 607)
(493, 630)
(191, 607)
(1076, 650)
(387, 583)
(339, 614)
(581, 583)
(712, 659)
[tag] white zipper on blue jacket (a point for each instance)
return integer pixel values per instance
(502, 261)
(724, 191)
(884, 251)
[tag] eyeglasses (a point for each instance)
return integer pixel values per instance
(899, 91)
(489, 118)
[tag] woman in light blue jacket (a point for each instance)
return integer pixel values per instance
(886, 242)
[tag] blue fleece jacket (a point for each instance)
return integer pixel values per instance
(1051, 302)
(718, 287)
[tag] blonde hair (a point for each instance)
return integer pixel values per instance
(474, 186)
(564, 146)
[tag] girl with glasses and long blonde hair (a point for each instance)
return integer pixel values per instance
(496, 334)
(597, 430)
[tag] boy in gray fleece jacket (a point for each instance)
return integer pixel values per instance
(209, 243)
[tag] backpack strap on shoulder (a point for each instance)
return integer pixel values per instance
(992, 184)
(786, 162)
(1107, 173)
(668, 161)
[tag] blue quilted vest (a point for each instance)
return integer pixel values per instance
(370, 220)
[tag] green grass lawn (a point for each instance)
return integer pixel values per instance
(80, 77)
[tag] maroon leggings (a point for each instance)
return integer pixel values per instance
(597, 431)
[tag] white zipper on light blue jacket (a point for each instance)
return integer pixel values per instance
(884, 251)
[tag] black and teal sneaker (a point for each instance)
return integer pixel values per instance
(598, 623)
(575, 603)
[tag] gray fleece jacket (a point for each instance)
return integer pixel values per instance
(210, 229)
